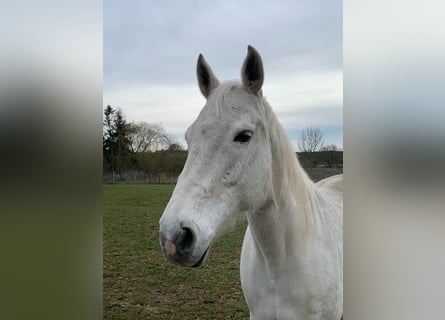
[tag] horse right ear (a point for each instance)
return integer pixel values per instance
(206, 79)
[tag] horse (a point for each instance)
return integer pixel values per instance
(240, 162)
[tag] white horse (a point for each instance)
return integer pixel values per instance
(240, 161)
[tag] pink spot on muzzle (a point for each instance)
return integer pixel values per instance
(170, 247)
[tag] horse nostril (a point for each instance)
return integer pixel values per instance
(187, 239)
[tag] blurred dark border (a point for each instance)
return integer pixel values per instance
(394, 152)
(51, 161)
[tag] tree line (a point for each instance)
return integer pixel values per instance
(139, 146)
(314, 153)
(149, 149)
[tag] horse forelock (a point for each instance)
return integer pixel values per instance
(231, 98)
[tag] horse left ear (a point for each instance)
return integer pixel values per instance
(206, 79)
(252, 73)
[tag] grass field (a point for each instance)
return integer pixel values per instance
(140, 284)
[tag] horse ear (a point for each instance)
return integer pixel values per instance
(252, 73)
(206, 79)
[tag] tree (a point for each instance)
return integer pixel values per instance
(169, 142)
(331, 156)
(116, 141)
(310, 140)
(109, 139)
(123, 131)
(330, 147)
(145, 137)
(174, 147)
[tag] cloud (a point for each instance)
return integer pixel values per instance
(174, 106)
(150, 52)
(159, 41)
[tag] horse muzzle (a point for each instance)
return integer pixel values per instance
(180, 246)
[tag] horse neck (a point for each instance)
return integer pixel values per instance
(286, 220)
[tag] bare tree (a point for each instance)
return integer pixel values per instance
(146, 137)
(169, 142)
(310, 140)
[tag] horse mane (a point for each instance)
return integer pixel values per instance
(289, 176)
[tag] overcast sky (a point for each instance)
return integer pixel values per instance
(151, 48)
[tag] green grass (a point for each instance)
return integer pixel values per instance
(140, 284)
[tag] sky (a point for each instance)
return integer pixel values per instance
(151, 49)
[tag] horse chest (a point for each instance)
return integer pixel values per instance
(269, 296)
(291, 293)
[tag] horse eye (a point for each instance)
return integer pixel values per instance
(244, 136)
